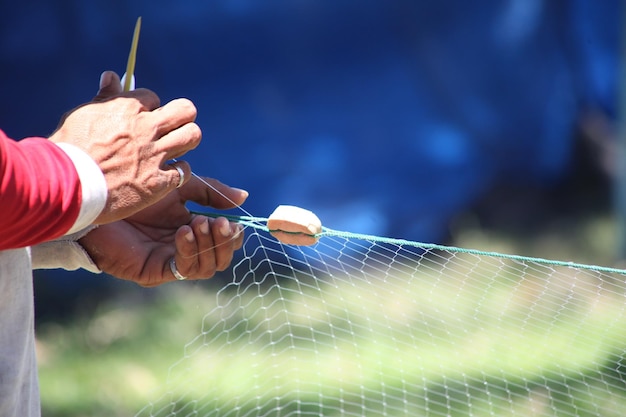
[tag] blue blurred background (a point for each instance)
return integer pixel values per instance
(383, 117)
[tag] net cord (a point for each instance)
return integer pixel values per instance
(260, 224)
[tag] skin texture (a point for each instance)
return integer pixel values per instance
(139, 248)
(131, 138)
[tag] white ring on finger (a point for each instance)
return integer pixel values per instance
(175, 272)
(181, 175)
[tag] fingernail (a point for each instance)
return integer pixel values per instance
(189, 236)
(225, 230)
(244, 193)
(204, 227)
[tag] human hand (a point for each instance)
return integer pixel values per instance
(131, 138)
(140, 247)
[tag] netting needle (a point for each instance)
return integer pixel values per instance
(128, 80)
(128, 84)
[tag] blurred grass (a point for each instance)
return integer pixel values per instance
(461, 346)
(109, 362)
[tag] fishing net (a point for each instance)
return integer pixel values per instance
(366, 326)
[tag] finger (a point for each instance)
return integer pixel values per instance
(179, 173)
(239, 234)
(173, 115)
(110, 86)
(148, 99)
(179, 141)
(224, 238)
(206, 256)
(217, 194)
(186, 251)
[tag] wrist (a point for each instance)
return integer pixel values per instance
(93, 186)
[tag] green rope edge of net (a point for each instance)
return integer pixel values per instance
(259, 223)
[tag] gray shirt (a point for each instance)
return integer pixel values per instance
(19, 387)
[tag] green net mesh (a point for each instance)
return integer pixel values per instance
(365, 326)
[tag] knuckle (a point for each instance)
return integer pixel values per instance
(187, 106)
(194, 132)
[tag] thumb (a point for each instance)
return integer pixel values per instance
(110, 86)
(213, 193)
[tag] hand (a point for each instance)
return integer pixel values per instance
(139, 248)
(131, 138)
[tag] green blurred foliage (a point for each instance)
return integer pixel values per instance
(450, 343)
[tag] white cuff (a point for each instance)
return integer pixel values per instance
(65, 253)
(93, 185)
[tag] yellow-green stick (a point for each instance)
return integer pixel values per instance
(130, 65)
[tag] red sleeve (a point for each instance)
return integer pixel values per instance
(40, 192)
